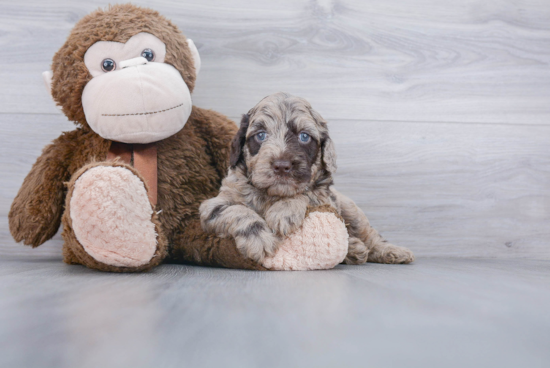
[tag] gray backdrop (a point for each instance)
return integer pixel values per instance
(439, 109)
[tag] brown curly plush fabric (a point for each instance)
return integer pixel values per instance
(191, 163)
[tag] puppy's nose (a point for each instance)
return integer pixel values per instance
(282, 166)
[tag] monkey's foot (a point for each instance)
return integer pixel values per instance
(321, 243)
(113, 222)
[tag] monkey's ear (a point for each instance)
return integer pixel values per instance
(238, 143)
(47, 77)
(196, 56)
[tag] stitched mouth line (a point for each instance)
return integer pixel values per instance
(145, 113)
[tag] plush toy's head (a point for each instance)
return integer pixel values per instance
(127, 73)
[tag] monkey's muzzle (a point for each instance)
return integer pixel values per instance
(141, 103)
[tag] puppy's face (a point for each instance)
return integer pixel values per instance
(283, 144)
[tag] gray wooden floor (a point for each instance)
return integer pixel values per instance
(435, 313)
(440, 112)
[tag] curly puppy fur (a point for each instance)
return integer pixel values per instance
(191, 163)
(276, 173)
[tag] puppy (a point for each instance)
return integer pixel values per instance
(282, 161)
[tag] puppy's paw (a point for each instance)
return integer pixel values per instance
(256, 241)
(284, 218)
(357, 252)
(394, 254)
(286, 225)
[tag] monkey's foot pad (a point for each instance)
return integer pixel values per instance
(321, 243)
(111, 217)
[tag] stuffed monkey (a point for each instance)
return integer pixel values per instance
(126, 184)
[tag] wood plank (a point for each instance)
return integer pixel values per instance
(468, 61)
(435, 313)
(460, 190)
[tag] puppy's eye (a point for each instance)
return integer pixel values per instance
(148, 54)
(261, 136)
(108, 65)
(304, 137)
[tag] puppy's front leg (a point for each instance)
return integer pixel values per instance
(287, 215)
(252, 236)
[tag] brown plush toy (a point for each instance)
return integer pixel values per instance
(128, 181)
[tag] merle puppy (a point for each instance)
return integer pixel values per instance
(282, 161)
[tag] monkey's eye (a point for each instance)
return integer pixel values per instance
(148, 54)
(108, 65)
(261, 136)
(304, 137)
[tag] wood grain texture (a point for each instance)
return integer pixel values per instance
(439, 110)
(442, 189)
(428, 60)
(434, 313)
(462, 190)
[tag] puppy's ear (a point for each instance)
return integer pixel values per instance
(238, 143)
(328, 152)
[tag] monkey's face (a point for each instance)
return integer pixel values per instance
(125, 72)
(134, 96)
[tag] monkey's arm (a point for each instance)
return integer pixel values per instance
(193, 245)
(223, 217)
(35, 213)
